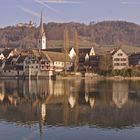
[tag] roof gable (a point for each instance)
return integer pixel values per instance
(6, 52)
(55, 56)
(115, 53)
(21, 59)
(92, 52)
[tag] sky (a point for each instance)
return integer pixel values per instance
(83, 11)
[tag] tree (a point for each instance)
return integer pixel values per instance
(66, 48)
(76, 62)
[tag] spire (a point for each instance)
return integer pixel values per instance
(92, 52)
(42, 37)
(42, 32)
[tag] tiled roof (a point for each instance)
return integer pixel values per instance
(54, 56)
(55, 49)
(115, 50)
(36, 52)
(44, 56)
(6, 52)
(21, 59)
(135, 54)
(81, 50)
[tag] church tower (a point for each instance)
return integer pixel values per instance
(42, 37)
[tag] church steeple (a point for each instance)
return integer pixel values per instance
(42, 36)
(42, 32)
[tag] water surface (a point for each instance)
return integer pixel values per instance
(69, 109)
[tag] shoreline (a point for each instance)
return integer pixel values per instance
(72, 76)
(98, 77)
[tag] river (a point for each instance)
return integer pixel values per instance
(69, 109)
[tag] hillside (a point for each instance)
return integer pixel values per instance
(105, 34)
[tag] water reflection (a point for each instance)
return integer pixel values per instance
(70, 103)
(120, 93)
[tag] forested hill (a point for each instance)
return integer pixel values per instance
(103, 33)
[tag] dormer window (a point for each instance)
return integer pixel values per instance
(120, 54)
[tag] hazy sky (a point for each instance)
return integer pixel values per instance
(16, 11)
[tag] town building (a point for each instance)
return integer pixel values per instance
(94, 59)
(88, 58)
(8, 66)
(42, 44)
(119, 59)
(6, 53)
(134, 59)
(57, 59)
(28, 25)
(36, 63)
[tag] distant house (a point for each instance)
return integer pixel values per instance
(35, 64)
(20, 67)
(28, 25)
(8, 67)
(46, 66)
(6, 53)
(88, 58)
(94, 59)
(134, 59)
(57, 59)
(119, 59)
(31, 65)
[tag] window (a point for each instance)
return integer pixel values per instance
(116, 64)
(123, 64)
(120, 54)
(116, 59)
(123, 59)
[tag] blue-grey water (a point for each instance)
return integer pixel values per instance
(69, 110)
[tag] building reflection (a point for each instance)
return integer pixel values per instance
(2, 91)
(120, 93)
(91, 92)
(69, 103)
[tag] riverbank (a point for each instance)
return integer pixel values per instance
(122, 78)
(77, 76)
(92, 76)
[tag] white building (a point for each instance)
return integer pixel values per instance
(42, 43)
(119, 59)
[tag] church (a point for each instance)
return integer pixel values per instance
(57, 59)
(42, 40)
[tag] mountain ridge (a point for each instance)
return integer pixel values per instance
(105, 33)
